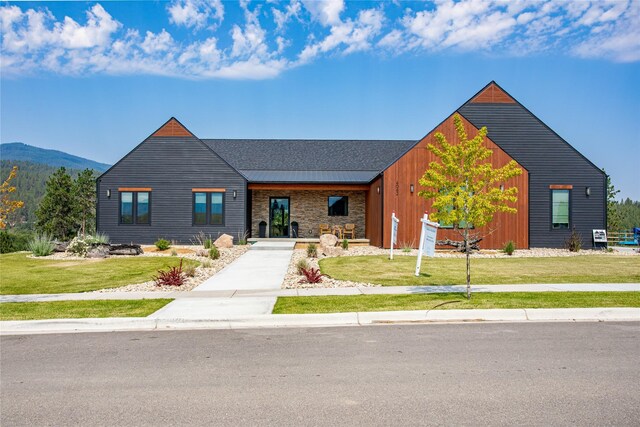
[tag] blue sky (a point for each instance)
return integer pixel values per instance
(96, 78)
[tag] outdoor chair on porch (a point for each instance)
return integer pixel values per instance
(349, 230)
(324, 229)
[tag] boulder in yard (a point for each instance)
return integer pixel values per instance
(332, 251)
(124, 249)
(98, 251)
(328, 241)
(60, 246)
(224, 241)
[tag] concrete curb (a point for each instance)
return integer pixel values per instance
(320, 320)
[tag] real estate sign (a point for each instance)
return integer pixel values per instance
(428, 237)
(394, 232)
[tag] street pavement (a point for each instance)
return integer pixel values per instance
(469, 374)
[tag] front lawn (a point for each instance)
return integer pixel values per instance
(484, 271)
(80, 309)
(22, 275)
(345, 304)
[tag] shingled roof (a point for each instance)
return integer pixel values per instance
(309, 161)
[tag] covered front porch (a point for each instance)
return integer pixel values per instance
(298, 211)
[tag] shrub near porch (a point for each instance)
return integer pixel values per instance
(485, 271)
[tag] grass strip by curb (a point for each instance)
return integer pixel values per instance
(449, 301)
(484, 271)
(80, 309)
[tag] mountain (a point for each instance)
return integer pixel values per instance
(28, 153)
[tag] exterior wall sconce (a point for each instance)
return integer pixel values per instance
(378, 189)
(588, 191)
(108, 193)
(235, 194)
(411, 188)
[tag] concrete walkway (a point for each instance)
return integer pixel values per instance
(277, 292)
(262, 268)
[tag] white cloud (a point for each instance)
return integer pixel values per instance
(282, 18)
(195, 13)
(327, 12)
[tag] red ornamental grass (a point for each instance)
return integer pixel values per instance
(171, 277)
(311, 275)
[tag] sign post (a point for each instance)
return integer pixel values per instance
(394, 232)
(427, 240)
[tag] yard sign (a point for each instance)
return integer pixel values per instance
(394, 232)
(427, 240)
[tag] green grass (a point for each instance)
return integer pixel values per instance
(80, 309)
(22, 275)
(484, 271)
(344, 304)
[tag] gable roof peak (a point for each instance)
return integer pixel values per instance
(172, 127)
(492, 93)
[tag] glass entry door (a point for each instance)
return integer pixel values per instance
(278, 217)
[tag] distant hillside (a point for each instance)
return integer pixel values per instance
(29, 153)
(30, 186)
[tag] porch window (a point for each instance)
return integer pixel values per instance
(338, 205)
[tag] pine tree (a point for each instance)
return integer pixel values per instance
(464, 185)
(57, 212)
(85, 201)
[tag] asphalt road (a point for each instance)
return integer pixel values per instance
(472, 374)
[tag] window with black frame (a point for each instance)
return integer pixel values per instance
(135, 207)
(208, 208)
(338, 205)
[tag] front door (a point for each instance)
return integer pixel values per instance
(278, 217)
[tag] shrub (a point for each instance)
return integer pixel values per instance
(574, 241)
(345, 244)
(11, 241)
(311, 275)
(79, 246)
(41, 245)
(174, 252)
(214, 253)
(242, 238)
(303, 264)
(99, 239)
(406, 247)
(509, 247)
(162, 244)
(312, 250)
(189, 270)
(206, 264)
(208, 243)
(172, 277)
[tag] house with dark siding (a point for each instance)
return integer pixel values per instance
(175, 185)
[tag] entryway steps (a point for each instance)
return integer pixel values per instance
(273, 246)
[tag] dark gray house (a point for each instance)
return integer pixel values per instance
(174, 184)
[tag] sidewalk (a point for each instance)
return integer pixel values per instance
(320, 320)
(275, 291)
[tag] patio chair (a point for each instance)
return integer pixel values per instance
(324, 229)
(349, 230)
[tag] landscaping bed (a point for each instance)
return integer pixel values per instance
(366, 266)
(450, 301)
(80, 309)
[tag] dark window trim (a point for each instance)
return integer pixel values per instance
(134, 208)
(289, 222)
(208, 208)
(551, 190)
(346, 207)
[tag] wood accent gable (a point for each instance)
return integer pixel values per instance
(172, 128)
(493, 95)
(345, 187)
(208, 190)
(134, 189)
(561, 187)
(409, 207)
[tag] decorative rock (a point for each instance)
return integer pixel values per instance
(98, 251)
(332, 251)
(124, 249)
(328, 241)
(202, 252)
(60, 246)
(224, 241)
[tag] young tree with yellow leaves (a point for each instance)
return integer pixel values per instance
(6, 204)
(464, 185)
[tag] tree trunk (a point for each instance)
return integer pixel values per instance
(468, 254)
